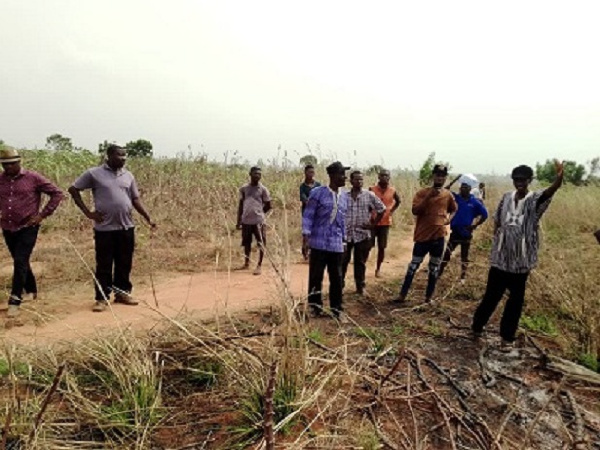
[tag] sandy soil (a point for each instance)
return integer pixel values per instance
(204, 294)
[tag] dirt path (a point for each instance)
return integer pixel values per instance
(204, 294)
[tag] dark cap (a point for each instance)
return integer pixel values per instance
(522, 171)
(440, 169)
(336, 167)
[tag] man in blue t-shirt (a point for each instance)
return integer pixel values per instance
(471, 213)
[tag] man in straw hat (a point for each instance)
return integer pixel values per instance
(20, 200)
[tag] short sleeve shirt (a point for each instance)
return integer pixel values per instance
(114, 192)
(431, 224)
(516, 242)
(253, 200)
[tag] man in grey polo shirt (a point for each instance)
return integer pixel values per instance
(115, 195)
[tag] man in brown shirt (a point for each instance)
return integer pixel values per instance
(433, 208)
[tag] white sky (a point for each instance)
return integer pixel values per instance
(486, 85)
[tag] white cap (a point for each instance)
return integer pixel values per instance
(468, 178)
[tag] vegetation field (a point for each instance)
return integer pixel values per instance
(407, 378)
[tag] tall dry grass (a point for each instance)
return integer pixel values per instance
(116, 388)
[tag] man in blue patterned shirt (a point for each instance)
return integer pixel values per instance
(324, 232)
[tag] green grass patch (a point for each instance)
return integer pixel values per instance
(539, 323)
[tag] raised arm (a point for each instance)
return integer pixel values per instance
(421, 199)
(551, 190)
(448, 186)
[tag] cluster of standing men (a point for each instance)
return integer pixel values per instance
(335, 222)
(336, 225)
(115, 196)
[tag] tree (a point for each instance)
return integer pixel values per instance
(594, 170)
(374, 169)
(308, 160)
(574, 173)
(426, 171)
(58, 142)
(103, 146)
(138, 148)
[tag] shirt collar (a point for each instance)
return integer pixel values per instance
(119, 171)
(20, 174)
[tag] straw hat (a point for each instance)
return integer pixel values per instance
(9, 155)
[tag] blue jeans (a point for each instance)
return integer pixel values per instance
(435, 249)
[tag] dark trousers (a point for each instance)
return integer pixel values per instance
(498, 282)
(435, 249)
(361, 254)
(114, 250)
(318, 261)
(465, 245)
(20, 245)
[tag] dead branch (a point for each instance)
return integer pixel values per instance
(579, 425)
(269, 410)
(391, 372)
(382, 436)
(6, 428)
(525, 443)
(46, 402)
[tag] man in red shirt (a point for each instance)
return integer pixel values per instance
(20, 200)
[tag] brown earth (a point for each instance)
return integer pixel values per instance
(55, 317)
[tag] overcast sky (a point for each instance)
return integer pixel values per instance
(486, 85)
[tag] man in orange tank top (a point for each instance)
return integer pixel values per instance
(390, 198)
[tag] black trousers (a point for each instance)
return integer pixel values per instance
(498, 282)
(114, 258)
(465, 246)
(361, 254)
(20, 245)
(318, 261)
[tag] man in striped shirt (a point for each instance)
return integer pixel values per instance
(20, 200)
(514, 251)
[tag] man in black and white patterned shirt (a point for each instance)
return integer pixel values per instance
(514, 251)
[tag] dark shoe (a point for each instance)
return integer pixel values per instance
(30, 296)
(13, 311)
(316, 312)
(429, 301)
(400, 299)
(507, 346)
(341, 317)
(100, 306)
(125, 299)
(476, 335)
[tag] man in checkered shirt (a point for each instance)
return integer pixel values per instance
(359, 225)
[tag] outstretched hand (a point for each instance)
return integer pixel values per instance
(559, 167)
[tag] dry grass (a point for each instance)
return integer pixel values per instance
(395, 379)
